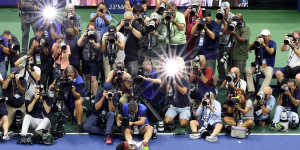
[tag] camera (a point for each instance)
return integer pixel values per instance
(260, 96)
(70, 15)
(110, 94)
(290, 39)
(64, 86)
(151, 26)
(63, 46)
(140, 18)
(284, 88)
(169, 16)
(257, 43)
(220, 15)
(3, 100)
(231, 27)
(233, 101)
(225, 57)
(162, 8)
(205, 102)
(91, 35)
(111, 34)
(127, 23)
(201, 24)
(140, 72)
(196, 64)
(231, 77)
(119, 70)
(101, 10)
(193, 10)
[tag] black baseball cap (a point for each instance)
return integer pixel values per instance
(207, 13)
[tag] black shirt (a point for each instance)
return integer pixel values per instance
(15, 98)
(38, 110)
(180, 100)
(287, 103)
(75, 50)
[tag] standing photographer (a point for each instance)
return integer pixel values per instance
(207, 30)
(192, 14)
(71, 19)
(3, 51)
(101, 19)
(176, 30)
(29, 75)
(13, 90)
(129, 4)
(263, 106)
(14, 49)
(38, 113)
(291, 43)
(288, 101)
(234, 83)
(113, 45)
(265, 50)
(209, 114)
(239, 111)
(71, 38)
(102, 120)
(90, 42)
(131, 29)
(60, 54)
(4, 123)
(239, 52)
(132, 118)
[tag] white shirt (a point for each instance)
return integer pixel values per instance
(208, 116)
(241, 84)
(293, 60)
(120, 57)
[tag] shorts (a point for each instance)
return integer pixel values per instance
(91, 68)
(201, 123)
(184, 113)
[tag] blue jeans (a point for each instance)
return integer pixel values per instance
(90, 124)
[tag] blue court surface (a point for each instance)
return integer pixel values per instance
(169, 142)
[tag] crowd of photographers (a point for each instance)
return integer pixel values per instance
(150, 69)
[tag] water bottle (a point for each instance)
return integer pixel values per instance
(154, 136)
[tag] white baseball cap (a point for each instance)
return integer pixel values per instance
(225, 5)
(196, 2)
(265, 32)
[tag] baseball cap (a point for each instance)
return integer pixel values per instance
(107, 86)
(207, 13)
(265, 32)
(225, 5)
(196, 2)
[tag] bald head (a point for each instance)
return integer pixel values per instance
(268, 90)
(128, 15)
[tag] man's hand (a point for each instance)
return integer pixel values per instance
(98, 14)
(93, 42)
(119, 122)
(131, 123)
(73, 89)
(237, 106)
(37, 94)
(102, 15)
(288, 93)
(11, 76)
(104, 94)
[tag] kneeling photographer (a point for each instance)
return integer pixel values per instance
(263, 106)
(233, 83)
(13, 90)
(265, 51)
(113, 45)
(102, 120)
(132, 119)
(239, 111)
(70, 90)
(38, 114)
(209, 120)
(4, 120)
(286, 112)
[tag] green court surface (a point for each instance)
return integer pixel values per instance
(279, 22)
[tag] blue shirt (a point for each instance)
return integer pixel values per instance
(208, 116)
(105, 102)
(57, 29)
(101, 26)
(142, 111)
(210, 47)
(79, 85)
(2, 55)
(150, 90)
(135, 2)
(270, 58)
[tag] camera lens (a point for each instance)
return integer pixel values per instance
(219, 16)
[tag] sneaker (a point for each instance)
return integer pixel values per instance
(108, 139)
(211, 139)
(195, 136)
(276, 126)
(6, 137)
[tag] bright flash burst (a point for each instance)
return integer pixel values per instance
(49, 13)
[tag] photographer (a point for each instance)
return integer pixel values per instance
(74, 92)
(28, 13)
(60, 54)
(288, 101)
(192, 14)
(40, 50)
(4, 123)
(4, 50)
(209, 114)
(14, 49)
(131, 29)
(132, 119)
(101, 19)
(13, 90)
(233, 82)
(38, 113)
(291, 43)
(29, 75)
(90, 42)
(102, 120)
(241, 35)
(71, 20)
(265, 50)
(239, 111)
(178, 89)
(161, 6)
(263, 106)
(113, 44)
(71, 39)
(207, 31)
(176, 30)
(129, 4)
(202, 76)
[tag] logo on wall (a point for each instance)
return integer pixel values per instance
(115, 6)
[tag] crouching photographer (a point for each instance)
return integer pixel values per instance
(15, 105)
(209, 122)
(238, 114)
(4, 120)
(70, 90)
(263, 105)
(113, 45)
(102, 120)
(37, 117)
(286, 112)
(132, 119)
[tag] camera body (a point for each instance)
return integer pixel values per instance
(205, 102)
(220, 15)
(112, 35)
(233, 101)
(193, 10)
(70, 15)
(290, 39)
(169, 15)
(127, 23)
(151, 26)
(64, 86)
(284, 88)
(91, 35)
(63, 46)
(3, 100)
(231, 77)
(201, 24)
(119, 70)
(260, 96)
